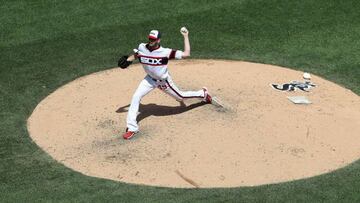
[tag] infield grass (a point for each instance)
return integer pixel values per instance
(45, 44)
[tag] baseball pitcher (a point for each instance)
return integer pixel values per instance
(154, 59)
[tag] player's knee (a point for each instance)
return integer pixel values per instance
(137, 97)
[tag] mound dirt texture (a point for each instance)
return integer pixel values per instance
(262, 138)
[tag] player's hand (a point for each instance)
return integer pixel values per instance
(184, 31)
(123, 62)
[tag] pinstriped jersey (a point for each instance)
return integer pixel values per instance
(155, 61)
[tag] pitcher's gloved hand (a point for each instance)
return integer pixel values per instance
(123, 62)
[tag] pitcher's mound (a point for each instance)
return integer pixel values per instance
(263, 138)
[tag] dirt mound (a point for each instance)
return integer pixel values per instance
(263, 139)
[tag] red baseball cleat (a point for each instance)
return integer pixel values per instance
(207, 96)
(128, 135)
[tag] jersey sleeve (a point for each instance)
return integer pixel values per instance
(141, 47)
(175, 54)
(178, 54)
(136, 51)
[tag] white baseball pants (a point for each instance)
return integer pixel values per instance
(146, 86)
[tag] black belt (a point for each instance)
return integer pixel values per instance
(156, 80)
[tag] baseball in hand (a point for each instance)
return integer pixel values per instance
(307, 76)
(184, 30)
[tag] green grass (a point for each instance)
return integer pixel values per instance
(45, 44)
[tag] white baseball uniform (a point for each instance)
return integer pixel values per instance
(155, 65)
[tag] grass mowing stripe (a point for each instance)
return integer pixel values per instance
(45, 20)
(265, 47)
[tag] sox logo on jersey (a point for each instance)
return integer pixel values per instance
(153, 61)
(150, 61)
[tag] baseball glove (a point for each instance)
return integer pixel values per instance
(123, 62)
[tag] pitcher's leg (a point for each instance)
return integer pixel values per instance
(144, 88)
(179, 95)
